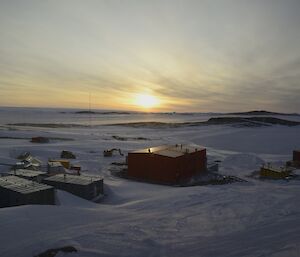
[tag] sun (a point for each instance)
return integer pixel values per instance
(146, 101)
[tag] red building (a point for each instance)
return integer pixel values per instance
(296, 156)
(296, 159)
(170, 164)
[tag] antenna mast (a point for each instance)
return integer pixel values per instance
(90, 111)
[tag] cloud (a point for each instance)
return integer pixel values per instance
(194, 55)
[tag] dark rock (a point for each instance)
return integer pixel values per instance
(54, 251)
(39, 140)
(67, 155)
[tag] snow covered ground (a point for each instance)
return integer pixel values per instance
(257, 218)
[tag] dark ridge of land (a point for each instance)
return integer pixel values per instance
(149, 124)
(119, 138)
(234, 121)
(262, 112)
(48, 125)
(101, 113)
(254, 112)
(262, 121)
(29, 138)
(6, 137)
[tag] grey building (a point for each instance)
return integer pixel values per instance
(87, 187)
(16, 191)
(34, 175)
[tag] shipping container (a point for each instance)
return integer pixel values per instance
(34, 175)
(84, 186)
(16, 191)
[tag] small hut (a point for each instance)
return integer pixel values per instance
(65, 163)
(28, 162)
(54, 168)
(267, 171)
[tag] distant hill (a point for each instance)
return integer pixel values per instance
(262, 112)
(233, 121)
(101, 113)
(252, 121)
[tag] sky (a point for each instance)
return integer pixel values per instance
(203, 56)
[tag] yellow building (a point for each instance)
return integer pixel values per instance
(274, 173)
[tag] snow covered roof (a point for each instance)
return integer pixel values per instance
(27, 173)
(55, 164)
(21, 185)
(74, 179)
(172, 150)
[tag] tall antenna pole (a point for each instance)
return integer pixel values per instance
(90, 110)
(89, 101)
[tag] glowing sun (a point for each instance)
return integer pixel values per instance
(146, 100)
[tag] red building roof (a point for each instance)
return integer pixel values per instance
(172, 151)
